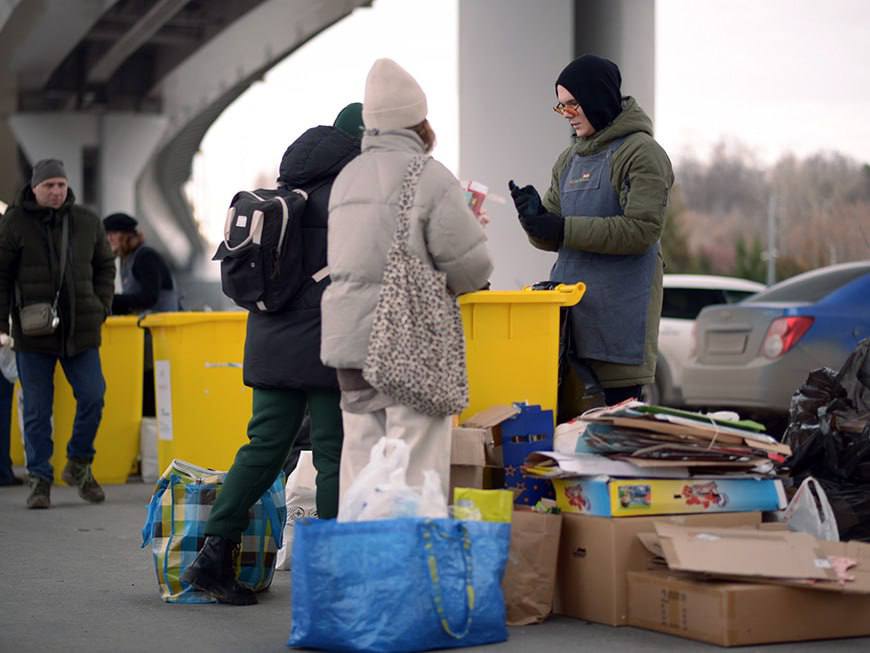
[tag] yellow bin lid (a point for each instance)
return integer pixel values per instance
(184, 318)
(564, 295)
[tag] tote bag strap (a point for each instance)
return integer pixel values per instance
(429, 531)
(407, 194)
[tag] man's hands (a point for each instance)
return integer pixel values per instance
(534, 219)
(526, 199)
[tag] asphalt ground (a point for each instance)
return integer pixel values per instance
(74, 578)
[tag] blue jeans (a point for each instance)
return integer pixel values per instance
(6, 390)
(85, 375)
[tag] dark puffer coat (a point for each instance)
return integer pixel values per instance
(86, 298)
(282, 350)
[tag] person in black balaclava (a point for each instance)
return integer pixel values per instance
(604, 214)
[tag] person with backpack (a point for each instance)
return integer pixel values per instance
(282, 345)
(372, 195)
(604, 214)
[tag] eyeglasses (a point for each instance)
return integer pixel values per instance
(569, 109)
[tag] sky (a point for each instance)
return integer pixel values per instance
(312, 85)
(776, 76)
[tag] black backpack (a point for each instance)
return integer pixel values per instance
(262, 251)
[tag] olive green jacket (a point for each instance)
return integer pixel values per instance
(641, 175)
(25, 261)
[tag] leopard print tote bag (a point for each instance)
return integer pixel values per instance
(416, 351)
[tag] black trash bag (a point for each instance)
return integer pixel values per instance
(829, 434)
(854, 378)
(851, 506)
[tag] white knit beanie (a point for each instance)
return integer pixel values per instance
(393, 99)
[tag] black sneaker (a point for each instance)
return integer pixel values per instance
(77, 473)
(213, 572)
(40, 493)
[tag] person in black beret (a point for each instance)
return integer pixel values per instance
(147, 284)
(604, 214)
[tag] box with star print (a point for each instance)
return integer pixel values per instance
(528, 430)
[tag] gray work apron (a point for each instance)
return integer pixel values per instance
(609, 323)
(167, 299)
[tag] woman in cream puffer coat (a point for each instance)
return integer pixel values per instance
(363, 208)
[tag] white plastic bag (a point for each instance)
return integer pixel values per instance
(381, 490)
(809, 511)
(8, 367)
(300, 493)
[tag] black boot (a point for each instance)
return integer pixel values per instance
(213, 572)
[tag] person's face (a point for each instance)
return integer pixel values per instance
(573, 113)
(116, 241)
(51, 192)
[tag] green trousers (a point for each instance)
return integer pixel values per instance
(274, 423)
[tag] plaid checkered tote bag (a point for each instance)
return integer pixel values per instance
(175, 528)
(416, 350)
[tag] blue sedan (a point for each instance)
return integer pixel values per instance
(751, 356)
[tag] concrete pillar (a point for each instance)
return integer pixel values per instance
(624, 32)
(510, 53)
(57, 136)
(128, 141)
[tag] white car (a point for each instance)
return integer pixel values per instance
(683, 298)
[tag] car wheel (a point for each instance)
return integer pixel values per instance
(651, 394)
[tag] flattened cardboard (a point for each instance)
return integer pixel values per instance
(740, 614)
(595, 553)
(491, 417)
(763, 555)
(742, 552)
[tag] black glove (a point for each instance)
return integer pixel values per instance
(526, 199)
(545, 226)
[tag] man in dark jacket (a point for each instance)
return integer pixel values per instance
(282, 364)
(54, 254)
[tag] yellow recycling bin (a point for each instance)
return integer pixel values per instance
(203, 407)
(117, 441)
(512, 345)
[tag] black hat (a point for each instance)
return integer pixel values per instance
(120, 222)
(595, 84)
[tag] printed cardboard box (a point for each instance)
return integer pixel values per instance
(595, 554)
(616, 497)
(739, 614)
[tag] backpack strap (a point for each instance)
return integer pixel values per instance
(323, 272)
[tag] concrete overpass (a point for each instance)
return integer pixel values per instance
(124, 91)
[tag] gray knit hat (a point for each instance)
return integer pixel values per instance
(393, 99)
(47, 169)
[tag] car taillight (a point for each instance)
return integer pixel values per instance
(783, 334)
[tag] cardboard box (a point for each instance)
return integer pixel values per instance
(620, 497)
(596, 553)
(739, 614)
(476, 459)
(782, 557)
